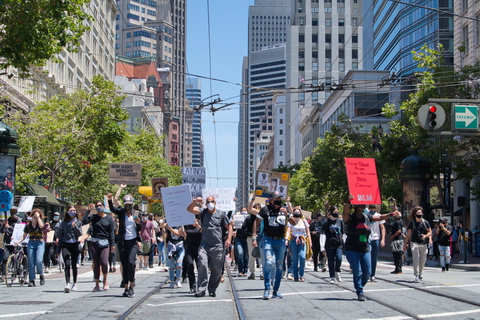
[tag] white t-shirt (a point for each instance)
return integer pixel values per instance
(300, 228)
(375, 227)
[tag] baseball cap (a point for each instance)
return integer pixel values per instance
(275, 194)
(128, 199)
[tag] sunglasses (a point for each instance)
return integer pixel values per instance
(210, 201)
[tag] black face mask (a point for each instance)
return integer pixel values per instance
(297, 215)
(128, 207)
(333, 214)
(277, 202)
(419, 216)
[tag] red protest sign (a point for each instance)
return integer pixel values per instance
(363, 180)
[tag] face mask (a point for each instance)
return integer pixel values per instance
(244, 212)
(145, 218)
(72, 214)
(55, 218)
(297, 215)
(210, 206)
(334, 215)
(128, 207)
(277, 202)
(100, 209)
(419, 216)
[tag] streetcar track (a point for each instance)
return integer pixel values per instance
(236, 298)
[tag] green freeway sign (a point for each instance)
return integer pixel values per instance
(465, 117)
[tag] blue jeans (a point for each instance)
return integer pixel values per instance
(444, 255)
(374, 247)
(360, 264)
(161, 252)
(241, 254)
(177, 263)
(274, 256)
(298, 257)
(334, 257)
(35, 251)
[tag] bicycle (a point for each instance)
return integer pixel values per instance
(17, 266)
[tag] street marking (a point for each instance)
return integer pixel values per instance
(313, 292)
(388, 318)
(447, 314)
(453, 285)
(381, 290)
(188, 302)
(22, 314)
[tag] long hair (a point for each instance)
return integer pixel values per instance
(415, 210)
(67, 217)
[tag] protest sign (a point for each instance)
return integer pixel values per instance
(223, 198)
(126, 173)
(175, 202)
(195, 177)
(18, 233)
(26, 203)
(157, 185)
(5, 200)
(268, 181)
(363, 180)
(238, 220)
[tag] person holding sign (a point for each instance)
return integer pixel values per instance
(357, 249)
(128, 238)
(211, 249)
(35, 246)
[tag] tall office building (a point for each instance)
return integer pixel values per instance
(157, 28)
(194, 95)
(324, 43)
(72, 70)
(397, 29)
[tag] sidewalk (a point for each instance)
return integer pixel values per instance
(473, 263)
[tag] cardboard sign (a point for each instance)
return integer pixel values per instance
(223, 198)
(127, 173)
(157, 185)
(50, 236)
(175, 202)
(363, 180)
(269, 181)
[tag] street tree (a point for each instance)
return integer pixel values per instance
(33, 32)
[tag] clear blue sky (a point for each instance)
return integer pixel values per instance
(228, 45)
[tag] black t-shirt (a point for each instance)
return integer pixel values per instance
(397, 225)
(173, 238)
(443, 238)
(419, 228)
(194, 236)
(358, 231)
(316, 226)
(274, 222)
(334, 230)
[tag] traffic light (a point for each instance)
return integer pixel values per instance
(432, 117)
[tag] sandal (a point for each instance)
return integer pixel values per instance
(96, 289)
(302, 279)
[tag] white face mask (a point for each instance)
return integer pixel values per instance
(210, 206)
(244, 212)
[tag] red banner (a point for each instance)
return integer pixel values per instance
(363, 180)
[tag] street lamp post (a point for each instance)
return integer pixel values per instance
(9, 152)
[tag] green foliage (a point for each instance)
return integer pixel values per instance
(34, 31)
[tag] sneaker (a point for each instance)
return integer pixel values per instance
(417, 280)
(67, 288)
(332, 280)
(447, 266)
(42, 280)
(420, 276)
(337, 276)
(78, 266)
(46, 270)
(172, 284)
(150, 266)
(131, 293)
(145, 268)
(315, 270)
(251, 276)
(324, 269)
(461, 261)
(443, 269)
(266, 295)
(74, 287)
(192, 290)
(277, 294)
(373, 279)
(361, 297)
(178, 283)
(125, 293)
(290, 277)
(212, 294)
(200, 294)
(31, 283)
(261, 276)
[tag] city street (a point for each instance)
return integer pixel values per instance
(313, 298)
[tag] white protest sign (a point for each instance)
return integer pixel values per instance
(26, 204)
(175, 202)
(238, 220)
(223, 198)
(18, 233)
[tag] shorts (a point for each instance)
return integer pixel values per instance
(146, 247)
